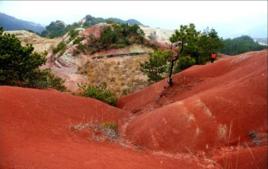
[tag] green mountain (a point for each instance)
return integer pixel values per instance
(12, 23)
(240, 45)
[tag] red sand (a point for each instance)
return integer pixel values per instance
(209, 106)
(35, 130)
(243, 158)
(187, 126)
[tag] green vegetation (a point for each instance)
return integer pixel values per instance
(98, 92)
(60, 48)
(73, 34)
(54, 29)
(156, 67)
(204, 43)
(59, 28)
(121, 35)
(19, 65)
(46, 79)
(90, 20)
(110, 125)
(115, 36)
(240, 45)
(197, 47)
(184, 63)
(78, 39)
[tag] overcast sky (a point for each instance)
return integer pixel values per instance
(229, 18)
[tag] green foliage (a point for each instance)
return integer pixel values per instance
(73, 34)
(78, 39)
(195, 42)
(116, 36)
(108, 37)
(188, 35)
(240, 45)
(46, 79)
(110, 125)
(19, 65)
(204, 43)
(208, 43)
(54, 29)
(58, 28)
(90, 20)
(60, 47)
(184, 63)
(71, 27)
(156, 67)
(98, 92)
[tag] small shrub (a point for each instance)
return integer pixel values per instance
(110, 125)
(46, 79)
(73, 34)
(110, 129)
(184, 63)
(157, 65)
(60, 47)
(98, 92)
(77, 40)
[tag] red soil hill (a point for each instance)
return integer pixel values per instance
(208, 106)
(36, 132)
(214, 116)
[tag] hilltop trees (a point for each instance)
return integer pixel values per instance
(54, 29)
(197, 47)
(19, 65)
(115, 36)
(239, 45)
(204, 43)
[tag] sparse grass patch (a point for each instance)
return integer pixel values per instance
(106, 130)
(98, 92)
(60, 48)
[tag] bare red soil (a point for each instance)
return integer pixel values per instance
(36, 132)
(243, 158)
(214, 116)
(208, 107)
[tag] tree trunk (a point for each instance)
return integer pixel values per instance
(172, 61)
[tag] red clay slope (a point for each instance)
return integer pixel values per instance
(209, 106)
(36, 133)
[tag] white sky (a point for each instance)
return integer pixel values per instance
(229, 18)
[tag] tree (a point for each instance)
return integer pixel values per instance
(177, 49)
(240, 44)
(189, 36)
(19, 65)
(54, 29)
(193, 47)
(184, 63)
(209, 42)
(197, 44)
(156, 67)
